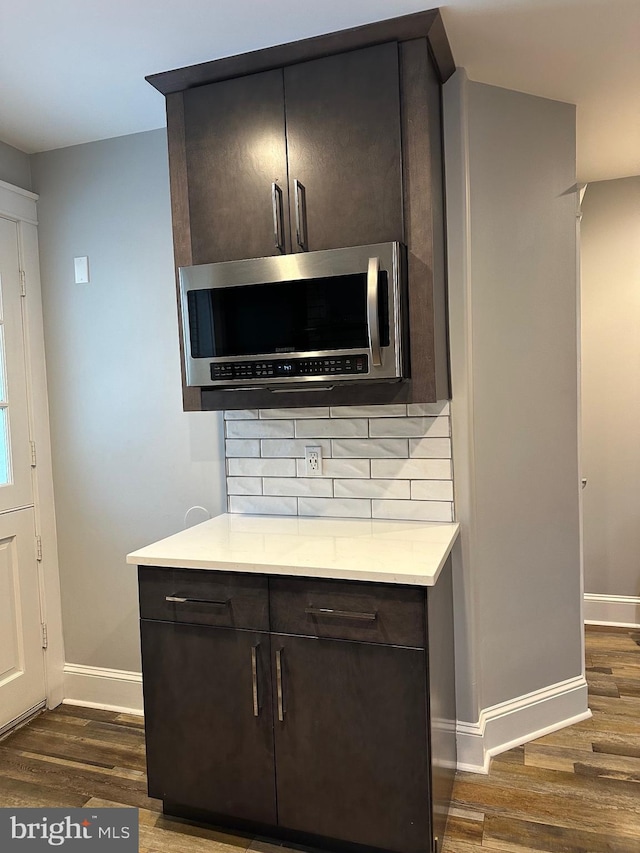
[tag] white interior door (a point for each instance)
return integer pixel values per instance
(22, 684)
(22, 679)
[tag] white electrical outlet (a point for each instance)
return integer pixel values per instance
(313, 461)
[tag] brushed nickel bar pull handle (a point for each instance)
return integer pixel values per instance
(301, 214)
(177, 599)
(254, 679)
(279, 685)
(341, 614)
(373, 326)
(293, 390)
(245, 388)
(278, 216)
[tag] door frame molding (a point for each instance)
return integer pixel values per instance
(19, 205)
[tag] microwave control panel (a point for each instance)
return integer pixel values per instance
(290, 368)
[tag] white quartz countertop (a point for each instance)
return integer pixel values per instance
(402, 552)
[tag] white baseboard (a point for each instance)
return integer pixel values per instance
(97, 687)
(517, 721)
(618, 610)
(500, 727)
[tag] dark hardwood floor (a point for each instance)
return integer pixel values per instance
(574, 791)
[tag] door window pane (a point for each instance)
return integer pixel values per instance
(3, 384)
(4, 448)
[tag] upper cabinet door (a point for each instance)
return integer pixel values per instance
(237, 168)
(344, 149)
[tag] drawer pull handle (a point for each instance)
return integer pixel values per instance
(341, 614)
(279, 685)
(177, 599)
(254, 679)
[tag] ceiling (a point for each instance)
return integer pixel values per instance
(72, 71)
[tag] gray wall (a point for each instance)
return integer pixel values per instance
(610, 238)
(513, 304)
(15, 166)
(128, 462)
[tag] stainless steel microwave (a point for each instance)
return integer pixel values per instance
(316, 317)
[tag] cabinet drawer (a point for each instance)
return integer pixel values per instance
(348, 610)
(222, 599)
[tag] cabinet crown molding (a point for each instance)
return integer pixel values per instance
(427, 24)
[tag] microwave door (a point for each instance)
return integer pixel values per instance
(312, 317)
(327, 314)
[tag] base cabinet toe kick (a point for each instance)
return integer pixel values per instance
(313, 711)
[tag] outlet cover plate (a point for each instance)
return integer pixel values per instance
(313, 461)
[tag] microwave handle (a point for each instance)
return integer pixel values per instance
(373, 325)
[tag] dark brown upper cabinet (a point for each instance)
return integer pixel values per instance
(319, 140)
(236, 164)
(344, 149)
(324, 143)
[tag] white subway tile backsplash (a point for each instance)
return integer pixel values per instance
(294, 447)
(412, 427)
(412, 469)
(244, 485)
(378, 461)
(421, 409)
(431, 490)
(430, 448)
(260, 429)
(391, 411)
(413, 510)
(330, 428)
(335, 507)
(241, 414)
(261, 467)
(271, 414)
(298, 486)
(339, 468)
(260, 505)
(370, 448)
(242, 447)
(372, 489)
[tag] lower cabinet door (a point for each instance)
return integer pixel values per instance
(351, 742)
(208, 719)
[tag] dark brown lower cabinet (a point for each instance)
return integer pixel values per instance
(351, 751)
(319, 731)
(206, 747)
